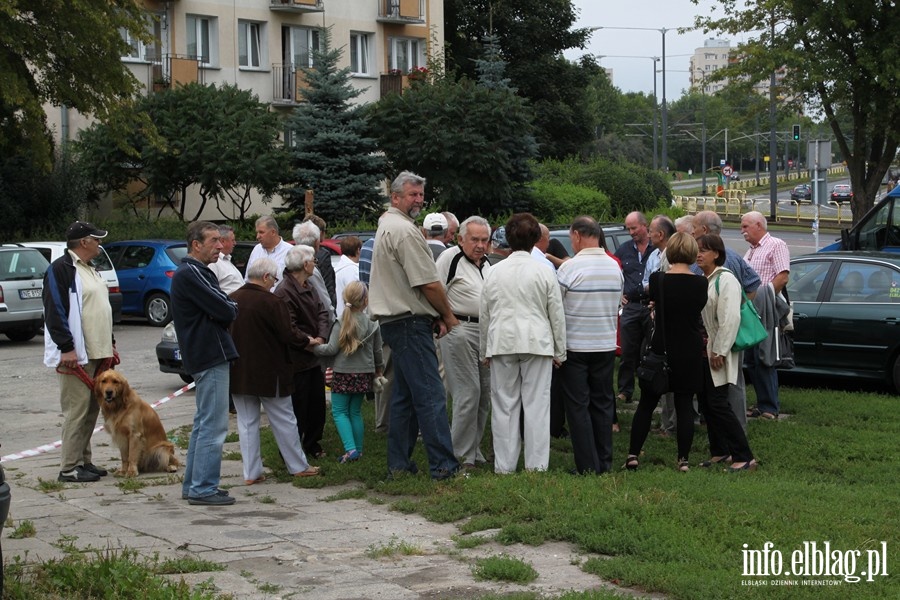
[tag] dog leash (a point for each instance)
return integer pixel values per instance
(80, 373)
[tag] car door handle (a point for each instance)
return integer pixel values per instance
(891, 320)
(801, 315)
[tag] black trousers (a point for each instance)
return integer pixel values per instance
(684, 415)
(726, 436)
(586, 379)
(309, 408)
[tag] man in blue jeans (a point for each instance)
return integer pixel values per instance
(202, 314)
(409, 302)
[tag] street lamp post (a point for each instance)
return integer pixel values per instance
(655, 60)
(665, 123)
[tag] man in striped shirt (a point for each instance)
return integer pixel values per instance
(591, 284)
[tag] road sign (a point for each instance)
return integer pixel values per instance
(727, 171)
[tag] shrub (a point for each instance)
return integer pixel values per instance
(562, 202)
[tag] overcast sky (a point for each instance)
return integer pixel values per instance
(636, 74)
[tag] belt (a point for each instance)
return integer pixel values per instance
(466, 319)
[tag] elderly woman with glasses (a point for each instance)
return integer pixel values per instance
(263, 374)
(310, 317)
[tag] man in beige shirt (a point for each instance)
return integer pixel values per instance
(409, 302)
(462, 270)
(78, 337)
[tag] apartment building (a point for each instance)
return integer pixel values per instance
(262, 46)
(714, 55)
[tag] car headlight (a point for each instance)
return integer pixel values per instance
(168, 334)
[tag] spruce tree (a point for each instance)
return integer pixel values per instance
(330, 152)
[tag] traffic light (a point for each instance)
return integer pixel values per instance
(796, 133)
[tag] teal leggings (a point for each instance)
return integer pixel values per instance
(345, 408)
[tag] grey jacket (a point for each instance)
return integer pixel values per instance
(772, 310)
(367, 357)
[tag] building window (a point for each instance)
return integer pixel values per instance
(201, 38)
(249, 44)
(298, 44)
(359, 53)
(139, 50)
(406, 54)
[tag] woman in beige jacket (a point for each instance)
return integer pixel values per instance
(523, 337)
(721, 318)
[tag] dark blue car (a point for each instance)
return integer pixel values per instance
(145, 269)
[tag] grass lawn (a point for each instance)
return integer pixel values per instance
(828, 473)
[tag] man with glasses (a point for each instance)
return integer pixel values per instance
(78, 339)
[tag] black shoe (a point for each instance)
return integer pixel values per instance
(78, 475)
(218, 491)
(91, 468)
(213, 500)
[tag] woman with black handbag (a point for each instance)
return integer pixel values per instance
(722, 320)
(678, 298)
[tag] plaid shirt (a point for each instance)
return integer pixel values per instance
(769, 258)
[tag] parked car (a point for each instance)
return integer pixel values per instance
(21, 287)
(847, 314)
(53, 250)
(241, 254)
(878, 229)
(841, 193)
(145, 269)
(802, 192)
(735, 176)
(614, 233)
(362, 235)
(5, 501)
(168, 354)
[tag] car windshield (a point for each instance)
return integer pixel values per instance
(22, 265)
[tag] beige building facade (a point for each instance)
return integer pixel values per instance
(263, 45)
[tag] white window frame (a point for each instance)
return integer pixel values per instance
(360, 53)
(202, 33)
(251, 36)
(314, 42)
(412, 48)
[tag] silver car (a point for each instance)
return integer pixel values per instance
(21, 286)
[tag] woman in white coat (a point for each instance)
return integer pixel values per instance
(523, 337)
(721, 318)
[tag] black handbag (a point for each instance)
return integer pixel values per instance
(653, 372)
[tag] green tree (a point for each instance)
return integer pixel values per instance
(532, 35)
(65, 54)
(220, 141)
(473, 142)
(331, 153)
(839, 57)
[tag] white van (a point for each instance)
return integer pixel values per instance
(104, 266)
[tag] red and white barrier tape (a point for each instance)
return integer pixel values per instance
(50, 447)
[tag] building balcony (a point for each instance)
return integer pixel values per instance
(403, 12)
(288, 81)
(297, 6)
(393, 83)
(175, 69)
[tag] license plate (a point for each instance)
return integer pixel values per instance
(178, 355)
(32, 293)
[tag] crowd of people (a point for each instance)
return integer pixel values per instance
(501, 324)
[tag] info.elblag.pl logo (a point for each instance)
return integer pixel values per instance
(813, 564)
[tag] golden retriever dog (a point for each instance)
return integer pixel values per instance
(134, 426)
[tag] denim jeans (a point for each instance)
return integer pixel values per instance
(418, 402)
(204, 458)
(765, 382)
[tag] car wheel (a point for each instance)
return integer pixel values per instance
(186, 378)
(158, 310)
(21, 335)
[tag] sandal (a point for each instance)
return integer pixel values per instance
(683, 465)
(259, 479)
(632, 463)
(753, 413)
(351, 456)
(310, 472)
(750, 465)
(715, 460)
(768, 416)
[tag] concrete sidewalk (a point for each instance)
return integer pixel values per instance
(276, 536)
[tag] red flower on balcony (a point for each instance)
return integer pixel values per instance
(418, 74)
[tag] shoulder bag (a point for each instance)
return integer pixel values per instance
(653, 372)
(751, 332)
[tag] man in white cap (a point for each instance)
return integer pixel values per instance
(435, 228)
(78, 342)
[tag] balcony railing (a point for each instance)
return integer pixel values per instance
(393, 83)
(287, 83)
(400, 11)
(175, 69)
(297, 6)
